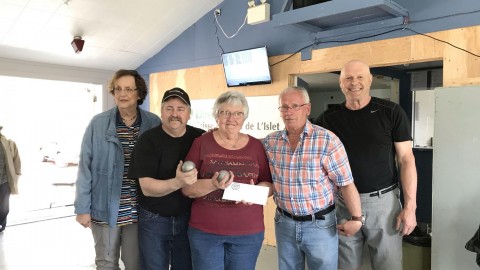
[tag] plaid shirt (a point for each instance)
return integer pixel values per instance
(305, 179)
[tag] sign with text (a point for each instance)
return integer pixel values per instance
(263, 117)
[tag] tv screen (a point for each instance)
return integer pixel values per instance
(246, 67)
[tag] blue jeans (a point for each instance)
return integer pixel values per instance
(163, 241)
(315, 242)
(229, 252)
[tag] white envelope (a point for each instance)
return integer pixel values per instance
(249, 193)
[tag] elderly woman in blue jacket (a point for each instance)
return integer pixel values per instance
(106, 200)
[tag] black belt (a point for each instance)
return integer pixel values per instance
(383, 191)
(318, 215)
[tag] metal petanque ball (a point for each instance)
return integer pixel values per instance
(343, 220)
(188, 166)
(221, 174)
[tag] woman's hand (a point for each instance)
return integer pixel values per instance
(85, 220)
(244, 202)
(224, 182)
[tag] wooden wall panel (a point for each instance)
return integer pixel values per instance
(461, 65)
(377, 53)
(425, 49)
(268, 215)
(459, 68)
(473, 63)
(454, 58)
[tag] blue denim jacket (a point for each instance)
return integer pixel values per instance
(100, 170)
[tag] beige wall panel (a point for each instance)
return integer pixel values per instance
(159, 83)
(464, 82)
(462, 66)
(209, 84)
(473, 62)
(377, 53)
(280, 71)
(390, 52)
(268, 215)
(425, 49)
(190, 80)
(455, 59)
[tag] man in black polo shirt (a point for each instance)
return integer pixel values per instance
(164, 211)
(374, 132)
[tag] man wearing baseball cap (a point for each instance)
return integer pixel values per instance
(177, 92)
(156, 163)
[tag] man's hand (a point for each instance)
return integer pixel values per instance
(406, 221)
(85, 220)
(349, 228)
(185, 178)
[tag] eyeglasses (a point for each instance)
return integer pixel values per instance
(227, 114)
(294, 107)
(118, 90)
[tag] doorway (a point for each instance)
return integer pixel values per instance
(46, 119)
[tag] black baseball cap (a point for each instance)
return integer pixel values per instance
(177, 92)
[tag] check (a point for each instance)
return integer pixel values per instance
(249, 193)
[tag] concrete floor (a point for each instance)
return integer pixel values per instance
(56, 244)
(53, 240)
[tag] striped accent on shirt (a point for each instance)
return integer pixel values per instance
(127, 212)
(305, 178)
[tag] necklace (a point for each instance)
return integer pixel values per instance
(128, 120)
(226, 141)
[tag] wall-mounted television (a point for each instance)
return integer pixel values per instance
(247, 67)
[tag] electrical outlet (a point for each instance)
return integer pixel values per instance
(217, 12)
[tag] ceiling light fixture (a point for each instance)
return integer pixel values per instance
(77, 44)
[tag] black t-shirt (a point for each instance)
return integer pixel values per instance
(156, 155)
(368, 135)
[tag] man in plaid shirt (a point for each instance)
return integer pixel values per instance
(309, 166)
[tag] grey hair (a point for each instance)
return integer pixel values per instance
(302, 90)
(231, 98)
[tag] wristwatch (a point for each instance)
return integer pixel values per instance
(360, 218)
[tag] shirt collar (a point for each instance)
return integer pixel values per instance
(307, 130)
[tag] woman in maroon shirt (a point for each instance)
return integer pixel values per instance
(226, 234)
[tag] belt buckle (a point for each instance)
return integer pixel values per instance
(380, 192)
(285, 213)
(313, 217)
(376, 193)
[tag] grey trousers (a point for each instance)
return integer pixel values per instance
(378, 235)
(111, 244)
